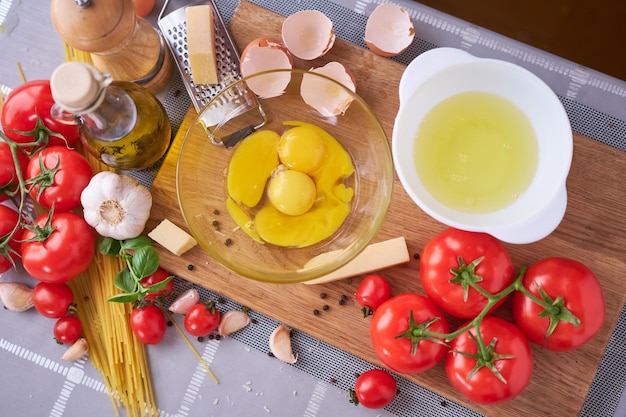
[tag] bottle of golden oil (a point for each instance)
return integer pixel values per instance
(121, 123)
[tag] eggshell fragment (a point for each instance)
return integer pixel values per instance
(308, 34)
(265, 54)
(325, 96)
(389, 30)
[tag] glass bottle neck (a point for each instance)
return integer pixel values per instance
(114, 118)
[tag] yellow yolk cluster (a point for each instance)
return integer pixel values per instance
(303, 174)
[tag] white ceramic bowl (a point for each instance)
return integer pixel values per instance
(444, 72)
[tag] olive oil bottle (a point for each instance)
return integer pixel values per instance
(120, 122)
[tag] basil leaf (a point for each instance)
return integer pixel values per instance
(109, 246)
(124, 281)
(124, 298)
(145, 261)
(159, 285)
(137, 243)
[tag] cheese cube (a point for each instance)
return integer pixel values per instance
(172, 237)
(201, 44)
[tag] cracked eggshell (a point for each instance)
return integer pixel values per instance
(389, 30)
(308, 34)
(325, 96)
(265, 54)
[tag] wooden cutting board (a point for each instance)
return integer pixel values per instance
(593, 231)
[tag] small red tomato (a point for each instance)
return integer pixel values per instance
(159, 276)
(67, 330)
(374, 389)
(148, 324)
(58, 175)
(372, 292)
(8, 175)
(52, 300)
(202, 319)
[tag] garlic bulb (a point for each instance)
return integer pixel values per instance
(16, 296)
(117, 206)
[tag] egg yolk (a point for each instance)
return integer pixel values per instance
(302, 149)
(301, 209)
(291, 192)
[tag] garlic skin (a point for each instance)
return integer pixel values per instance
(116, 205)
(280, 344)
(232, 321)
(185, 301)
(16, 296)
(76, 351)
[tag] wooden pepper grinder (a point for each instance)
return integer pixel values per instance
(121, 43)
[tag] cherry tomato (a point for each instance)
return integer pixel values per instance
(202, 319)
(10, 249)
(372, 292)
(148, 324)
(159, 275)
(395, 329)
(8, 175)
(58, 175)
(52, 300)
(374, 389)
(573, 298)
(506, 350)
(67, 248)
(21, 108)
(67, 329)
(452, 259)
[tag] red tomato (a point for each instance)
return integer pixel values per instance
(143, 7)
(21, 108)
(67, 329)
(506, 349)
(58, 176)
(52, 300)
(10, 250)
(8, 175)
(569, 288)
(67, 247)
(372, 292)
(202, 319)
(159, 275)
(453, 258)
(148, 324)
(395, 331)
(374, 389)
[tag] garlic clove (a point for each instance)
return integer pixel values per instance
(16, 296)
(280, 344)
(232, 321)
(185, 301)
(76, 351)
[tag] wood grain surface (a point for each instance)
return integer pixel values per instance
(593, 231)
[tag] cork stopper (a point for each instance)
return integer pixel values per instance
(77, 86)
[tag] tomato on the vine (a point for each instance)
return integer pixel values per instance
(62, 247)
(9, 179)
(372, 291)
(496, 372)
(27, 109)
(399, 332)
(572, 309)
(57, 176)
(374, 388)
(67, 329)
(148, 324)
(10, 247)
(159, 275)
(202, 319)
(455, 258)
(52, 300)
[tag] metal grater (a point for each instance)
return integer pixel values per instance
(173, 28)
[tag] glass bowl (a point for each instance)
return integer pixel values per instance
(221, 127)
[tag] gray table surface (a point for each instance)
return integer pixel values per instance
(34, 382)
